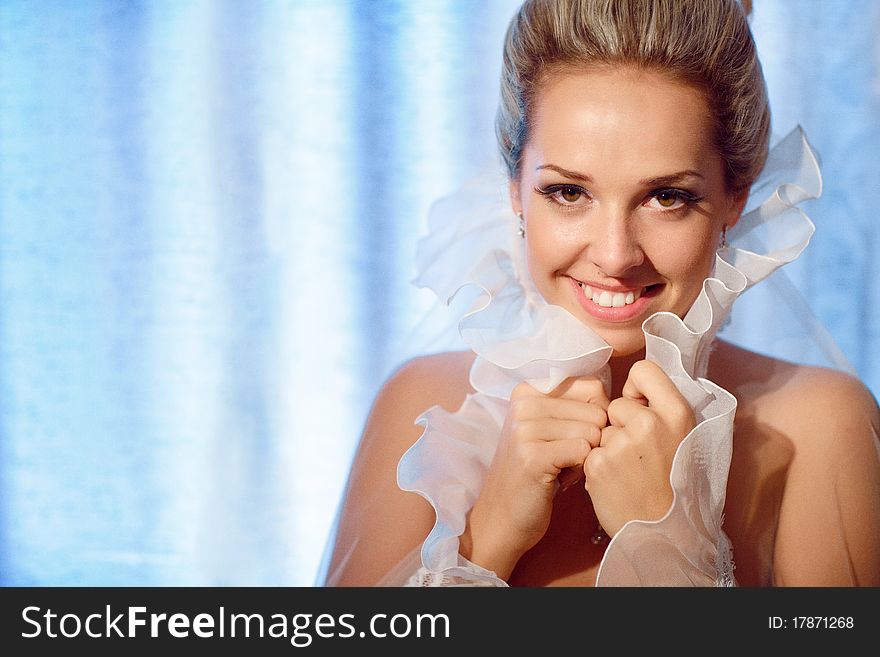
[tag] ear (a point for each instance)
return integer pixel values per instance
(515, 198)
(737, 204)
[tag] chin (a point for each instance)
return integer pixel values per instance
(628, 350)
(624, 343)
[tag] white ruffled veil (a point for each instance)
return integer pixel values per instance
(478, 217)
(474, 262)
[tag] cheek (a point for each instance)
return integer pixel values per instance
(549, 248)
(688, 263)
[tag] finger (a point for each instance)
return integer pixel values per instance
(524, 390)
(554, 430)
(649, 385)
(623, 411)
(608, 434)
(563, 409)
(582, 388)
(568, 453)
(542, 407)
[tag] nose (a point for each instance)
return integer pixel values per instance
(613, 243)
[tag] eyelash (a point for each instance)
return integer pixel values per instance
(551, 191)
(687, 198)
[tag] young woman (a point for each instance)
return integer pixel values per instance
(598, 432)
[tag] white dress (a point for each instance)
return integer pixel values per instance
(472, 249)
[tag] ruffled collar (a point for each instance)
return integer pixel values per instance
(472, 251)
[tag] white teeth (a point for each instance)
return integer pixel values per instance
(610, 299)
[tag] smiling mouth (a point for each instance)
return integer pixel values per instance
(608, 299)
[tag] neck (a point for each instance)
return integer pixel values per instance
(620, 366)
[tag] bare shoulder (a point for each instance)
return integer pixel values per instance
(417, 385)
(379, 523)
(804, 485)
(435, 380)
(795, 399)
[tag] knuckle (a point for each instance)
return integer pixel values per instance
(529, 456)
(615, 405)
(523, 430)
(521, 391)
(587, 388)
(517, 409)
(646, 422)
(684, 417)
(585, 446)
(643, 367)
(614, 408)
(521, 453)
(595, 387)
(525, 408)
(595, 464)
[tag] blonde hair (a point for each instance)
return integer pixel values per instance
(706, 43)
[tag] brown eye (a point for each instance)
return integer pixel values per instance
(664, 200)
(570, 194)
(566, 197)
(667, 199)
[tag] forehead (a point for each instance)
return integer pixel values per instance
(609, 117)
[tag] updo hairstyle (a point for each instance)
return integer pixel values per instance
(706, 43)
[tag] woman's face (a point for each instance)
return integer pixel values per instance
(624, 198)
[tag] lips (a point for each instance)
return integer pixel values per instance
(614, 305)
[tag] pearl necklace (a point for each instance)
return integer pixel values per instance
(599, 535)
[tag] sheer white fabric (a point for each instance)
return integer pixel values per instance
(518, 337)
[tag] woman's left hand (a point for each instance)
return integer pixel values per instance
(627, 476)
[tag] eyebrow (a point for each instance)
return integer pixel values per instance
(658, 181)
(574, 175)
(672, 178)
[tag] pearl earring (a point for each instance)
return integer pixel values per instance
(521, 231)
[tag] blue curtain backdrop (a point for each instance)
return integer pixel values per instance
(208, 214)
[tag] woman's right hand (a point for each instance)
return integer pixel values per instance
(543, 435)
